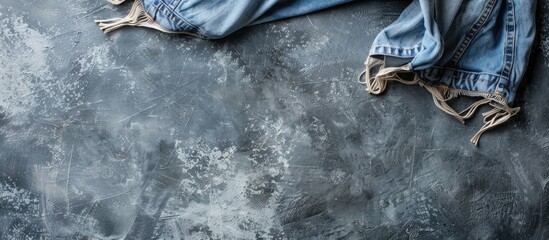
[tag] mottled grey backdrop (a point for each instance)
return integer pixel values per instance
(263, 135)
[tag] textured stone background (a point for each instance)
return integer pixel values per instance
(263, 135)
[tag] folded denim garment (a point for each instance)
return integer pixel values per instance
(475, 48)
(210, 19)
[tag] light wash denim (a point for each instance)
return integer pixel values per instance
(217, 19)
(475, 48)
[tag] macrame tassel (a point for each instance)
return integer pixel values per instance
(441, 95)
(376, 85)
(493, 118)
(441, 102)
(471, 110)
(373, 85)
(137, 17)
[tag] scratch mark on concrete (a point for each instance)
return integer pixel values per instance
(135, 114)
(308, 18)
(412, 167)
(69, 179)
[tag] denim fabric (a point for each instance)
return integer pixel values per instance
(217, 19)
(479, 46)
(475, 48)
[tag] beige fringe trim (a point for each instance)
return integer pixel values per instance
(137, 17)
(500, 113)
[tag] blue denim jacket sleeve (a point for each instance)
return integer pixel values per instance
(475, 48)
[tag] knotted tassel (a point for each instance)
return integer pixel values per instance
(378, 84)
(441, 102)
(137, 17)
(495, 117)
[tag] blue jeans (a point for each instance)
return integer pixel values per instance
(475, 48)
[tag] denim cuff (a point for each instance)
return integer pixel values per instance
(163, 15)
(472, 82)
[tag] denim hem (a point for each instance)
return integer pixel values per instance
(377, 74)
(465, 82)
(487, 83)
(169, 19)
(451, 77)
(392, 51)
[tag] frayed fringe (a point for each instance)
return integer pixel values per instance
(137, 17)
(500, 113)
(495, 117)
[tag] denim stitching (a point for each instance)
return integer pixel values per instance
(509, 48)
(182, 19)
(400, 51)
(473, 32)
(177, 19)
(406, 48)
(462, 76)
(468, 72)
(174, 3)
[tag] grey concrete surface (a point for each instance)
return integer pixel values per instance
(263, 135)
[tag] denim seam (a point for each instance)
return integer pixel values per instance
(389, 46)
(181, 22)
(469, 76)
(467, 72)
(199, 29)
(509, 50)
(389, 55)
(174, 3)
(473, 32)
